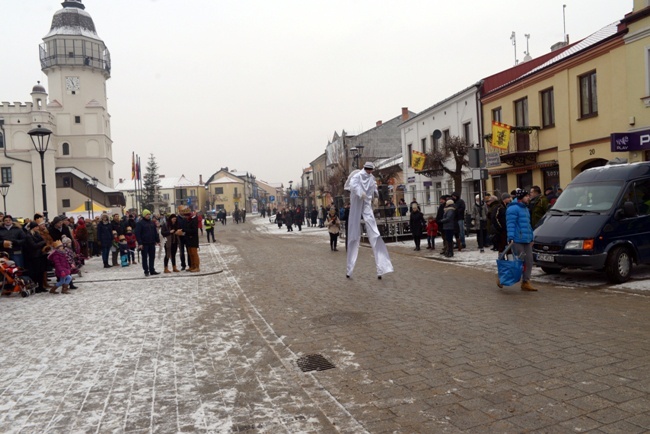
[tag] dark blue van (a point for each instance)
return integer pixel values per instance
(600, 222)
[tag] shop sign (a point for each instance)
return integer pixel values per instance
(632, 141)
(410, 179)
(492, 159)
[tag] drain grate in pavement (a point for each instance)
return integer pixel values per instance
(314, 362)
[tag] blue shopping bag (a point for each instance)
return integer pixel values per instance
(510, 270)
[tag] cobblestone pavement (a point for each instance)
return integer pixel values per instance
(431, 348)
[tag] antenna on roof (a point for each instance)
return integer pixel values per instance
(513, 38)
(527, 56)
(564, 21)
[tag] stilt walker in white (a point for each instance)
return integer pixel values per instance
(362, 187)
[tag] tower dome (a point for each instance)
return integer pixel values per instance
(73, 41)
(72, 20)
(38, 88)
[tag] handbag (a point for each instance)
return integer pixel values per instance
(510, 270)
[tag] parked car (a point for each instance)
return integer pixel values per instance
(600, 222)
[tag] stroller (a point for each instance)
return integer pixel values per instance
(13, 278)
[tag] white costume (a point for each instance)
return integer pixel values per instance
(362, 187)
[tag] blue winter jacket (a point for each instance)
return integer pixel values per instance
(518, 222)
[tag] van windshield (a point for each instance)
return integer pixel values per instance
(594, 197)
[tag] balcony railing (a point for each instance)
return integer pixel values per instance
(523, 146)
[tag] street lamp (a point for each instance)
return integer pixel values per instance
(90, 184)
(290, 189)
(357, 152)
(41, 139)
(4, 191)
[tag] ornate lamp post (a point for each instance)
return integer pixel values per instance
(90, 184)
(4, 190)
(357, 152)
(41, 140)
(290, 190)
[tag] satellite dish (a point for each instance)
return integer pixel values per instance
(437, 134)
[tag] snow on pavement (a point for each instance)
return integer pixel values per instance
(168, 353)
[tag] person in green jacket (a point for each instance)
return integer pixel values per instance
(538, 205)
(209, 227)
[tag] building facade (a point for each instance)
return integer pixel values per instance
(77, 64)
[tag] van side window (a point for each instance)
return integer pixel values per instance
(642, 195)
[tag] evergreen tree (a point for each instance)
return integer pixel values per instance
(151, 188)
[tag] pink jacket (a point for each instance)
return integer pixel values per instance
(61, 264)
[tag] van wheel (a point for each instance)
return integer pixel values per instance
(551, 270)
(619, 265)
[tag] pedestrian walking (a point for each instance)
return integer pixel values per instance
(449, 226)
(191, 237)
(432, 232)
(169, 230)
(362, 187)
(147, 236)
(209, 227)
(417, 224)
(105, 238)
(333, 228)
(459, 205)
(288, 220)
(520, 232)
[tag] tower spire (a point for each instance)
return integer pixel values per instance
(73, 4)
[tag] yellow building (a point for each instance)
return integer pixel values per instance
(562, 113)
(225, 191)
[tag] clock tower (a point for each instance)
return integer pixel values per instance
(78, 64)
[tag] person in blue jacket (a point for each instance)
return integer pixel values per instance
(520, 232)
(147, 235)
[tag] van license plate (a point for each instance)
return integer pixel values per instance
(545, 258)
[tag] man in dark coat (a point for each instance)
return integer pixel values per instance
(104, 238)
(147, 235)
(13, 240)
(191, 230)
(459, 204)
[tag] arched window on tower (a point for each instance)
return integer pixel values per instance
(65, 149)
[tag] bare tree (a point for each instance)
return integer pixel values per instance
(451, 158)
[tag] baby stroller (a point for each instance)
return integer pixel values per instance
(13, 279)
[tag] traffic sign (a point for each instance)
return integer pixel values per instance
(294, 194)
(271, 198)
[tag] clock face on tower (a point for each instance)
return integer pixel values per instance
(72, 83)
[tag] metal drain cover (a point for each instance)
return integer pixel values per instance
(314, 362)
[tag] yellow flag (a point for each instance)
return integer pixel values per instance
(417, 160)
(500, 135)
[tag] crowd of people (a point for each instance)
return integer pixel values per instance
(64, 244)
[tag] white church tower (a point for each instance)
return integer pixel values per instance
(77, 64)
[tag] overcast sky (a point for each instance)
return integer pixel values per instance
(261, 85)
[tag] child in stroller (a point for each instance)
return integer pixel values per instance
(13, 279)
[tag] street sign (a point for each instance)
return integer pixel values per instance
(479, 174)
(271, 198)
(492, 159)
(294, 194)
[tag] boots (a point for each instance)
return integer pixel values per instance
(167, 270)
(526, 286)
(175, 270)
(195, 260)
(66, 289)
(53, 290)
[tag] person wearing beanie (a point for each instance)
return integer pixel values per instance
(62, 269)
(147, 237)
(449, 226)
(417, 224)
(520, 233)
(479, 215)
(362, 187)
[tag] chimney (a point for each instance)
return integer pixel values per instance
(405, 113)
(378, 123)
(200, 179)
